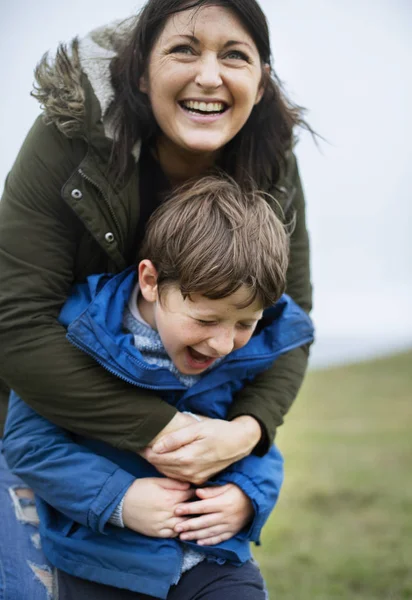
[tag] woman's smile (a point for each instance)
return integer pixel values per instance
(204, 110)
(204, 79)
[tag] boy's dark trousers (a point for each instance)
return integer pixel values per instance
(206, 581)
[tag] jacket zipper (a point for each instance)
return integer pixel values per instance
(83, 348)
(106, 200)
(87, 351)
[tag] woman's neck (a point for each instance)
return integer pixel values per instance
(179, 164)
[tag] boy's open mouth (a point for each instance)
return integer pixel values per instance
(199, 360)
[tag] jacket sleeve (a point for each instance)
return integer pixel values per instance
(82, 485)
(260, 478)
(39, 240)
(270, 395)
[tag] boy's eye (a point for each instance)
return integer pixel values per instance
(204, 323)
(246, 325)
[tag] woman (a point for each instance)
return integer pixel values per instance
(130, 113)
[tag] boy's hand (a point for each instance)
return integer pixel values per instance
(150, 504)
(223, 512)
(199, 450)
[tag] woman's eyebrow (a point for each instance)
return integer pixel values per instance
(195, 40)
(237, 43)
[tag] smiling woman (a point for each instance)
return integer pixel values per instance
(216, 84)
(130, 112)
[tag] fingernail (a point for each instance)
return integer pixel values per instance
(179, 529)
(179, 511)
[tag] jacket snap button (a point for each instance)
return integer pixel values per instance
(76, 194)
(109, 237)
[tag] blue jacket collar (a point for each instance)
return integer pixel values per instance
(93, 315)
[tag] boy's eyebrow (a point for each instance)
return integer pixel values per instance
(203, 316)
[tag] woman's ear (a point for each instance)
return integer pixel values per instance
(262, 86)
(143, 87)
(147, 280)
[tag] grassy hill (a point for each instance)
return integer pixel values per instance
(343, 525)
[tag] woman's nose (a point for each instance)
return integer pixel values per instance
(208, 75)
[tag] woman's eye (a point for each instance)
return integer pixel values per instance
(237, 55)
(182, 50)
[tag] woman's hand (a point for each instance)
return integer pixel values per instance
(150, 506)
(199, 450)
(222, 512)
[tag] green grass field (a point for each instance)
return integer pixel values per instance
(343, 524)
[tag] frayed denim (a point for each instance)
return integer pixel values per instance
(25, 573)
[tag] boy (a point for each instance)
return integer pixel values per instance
(192, 327)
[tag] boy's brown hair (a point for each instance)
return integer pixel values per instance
(211, 237)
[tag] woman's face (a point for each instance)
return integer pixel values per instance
(204, 78)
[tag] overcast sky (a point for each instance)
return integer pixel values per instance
(349, 63)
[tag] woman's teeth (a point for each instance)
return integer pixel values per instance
(204, 107)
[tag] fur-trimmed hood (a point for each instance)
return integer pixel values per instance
(74, 87)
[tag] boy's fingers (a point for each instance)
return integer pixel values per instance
(211, 491)
(188, 495)
(173, 484)
(196, 508)
(203, 534)
(213, 541)
(197, 523)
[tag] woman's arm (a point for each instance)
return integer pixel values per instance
(39, 248)
(83, 485)
(74, 480)
(269, 397)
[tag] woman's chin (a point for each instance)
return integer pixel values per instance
(202, 144)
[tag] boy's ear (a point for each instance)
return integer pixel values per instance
(148, 280)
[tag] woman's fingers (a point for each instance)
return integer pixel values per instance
(182, 464)
(177, 439)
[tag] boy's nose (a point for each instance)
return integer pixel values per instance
(222, 343)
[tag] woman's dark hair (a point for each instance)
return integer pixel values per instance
(258, 151)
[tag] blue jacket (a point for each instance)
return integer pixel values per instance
(81, 481)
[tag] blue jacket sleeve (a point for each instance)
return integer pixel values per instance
(260, 478)
(84, 486)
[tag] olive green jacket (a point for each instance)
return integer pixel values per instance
(63, 218)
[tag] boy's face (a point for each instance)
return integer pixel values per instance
(197, 331)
